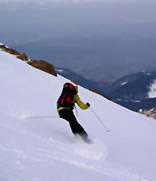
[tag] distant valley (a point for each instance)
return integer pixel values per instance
(98, 58)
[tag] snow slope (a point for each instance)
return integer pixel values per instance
(36, 147)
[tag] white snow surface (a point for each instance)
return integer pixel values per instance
(37, 147)
(124, 83)
(152, 90)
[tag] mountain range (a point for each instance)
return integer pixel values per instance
(135, 91)
(131, 91)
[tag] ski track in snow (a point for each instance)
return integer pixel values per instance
(43, 156)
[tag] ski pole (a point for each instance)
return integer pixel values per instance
(104, 125)
(76, 110)
(40, 117)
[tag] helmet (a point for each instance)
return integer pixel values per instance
(70, 87)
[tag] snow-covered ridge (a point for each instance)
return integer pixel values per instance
(124, 83)
(152, 90)
(36, 145)
(60, 70)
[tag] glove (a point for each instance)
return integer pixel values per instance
(88, 104)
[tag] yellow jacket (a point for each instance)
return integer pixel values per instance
(79, 103)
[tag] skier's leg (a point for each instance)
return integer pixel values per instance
(75, 126)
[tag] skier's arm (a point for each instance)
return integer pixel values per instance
(80, 103)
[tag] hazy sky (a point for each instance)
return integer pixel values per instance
(75, 1)
(108, 31)
(106, 17)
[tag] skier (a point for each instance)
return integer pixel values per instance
(65, 106)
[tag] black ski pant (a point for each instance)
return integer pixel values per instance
(69, 116)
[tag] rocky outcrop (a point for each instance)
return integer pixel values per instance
(23, 56)
(39, 64)
(150, 113)
(9, 50)
(43, 65)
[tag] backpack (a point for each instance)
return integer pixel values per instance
(66, 98)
